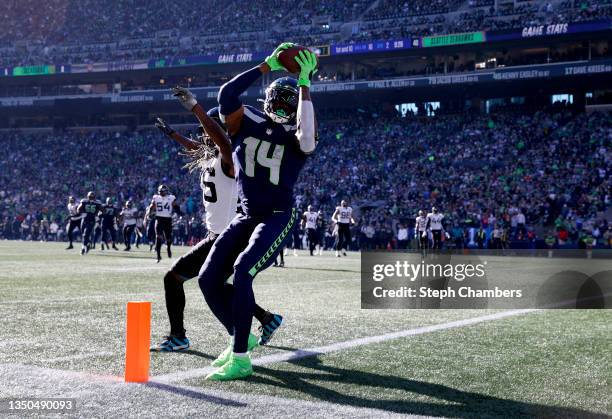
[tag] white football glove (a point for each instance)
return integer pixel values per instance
(185, 97)
(424, 234)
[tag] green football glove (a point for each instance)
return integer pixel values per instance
(272, 59)
(308, 67)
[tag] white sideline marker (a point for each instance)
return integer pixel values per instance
(353, 343)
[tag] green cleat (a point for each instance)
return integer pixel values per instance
(226, 354)
(235, 368)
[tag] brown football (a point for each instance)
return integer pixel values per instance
(287, 58)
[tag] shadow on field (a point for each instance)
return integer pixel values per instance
(197, 353)
(322, 269)
(198, 395)
(373, 391)
(131, 255)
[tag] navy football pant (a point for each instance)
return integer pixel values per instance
(87, 227)
(246, 247)
(111, 232)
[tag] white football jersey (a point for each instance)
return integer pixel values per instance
(344, 214)
(435, 221)
(163, 205)
(311, 219)
(73, 212)
(129, 216)
(220, 194)
(421, 223)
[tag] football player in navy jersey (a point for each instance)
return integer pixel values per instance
(108, 219)
(269, 151)
(211, 154)
(90, 207)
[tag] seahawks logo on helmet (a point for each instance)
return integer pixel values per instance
(281, 100)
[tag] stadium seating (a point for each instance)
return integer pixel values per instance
(554, 167)
(84, 31)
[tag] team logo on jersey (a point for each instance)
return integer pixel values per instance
(269, 131)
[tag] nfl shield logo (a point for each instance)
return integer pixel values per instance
(269, 131)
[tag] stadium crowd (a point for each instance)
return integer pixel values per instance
(85, 31)
(526, 177)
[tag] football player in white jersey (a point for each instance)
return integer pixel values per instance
(434, 224)
(309, 221)
(211, 154)
(129, 214)
(165, 205)
(343, 217)
(74, 220)
(420, 231)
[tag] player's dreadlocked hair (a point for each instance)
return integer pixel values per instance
(201, 157)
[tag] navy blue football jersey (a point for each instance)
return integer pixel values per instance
(90, 209)
(109, 213)
(268, 161)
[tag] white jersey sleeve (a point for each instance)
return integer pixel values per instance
(220, 194)
(163, 205)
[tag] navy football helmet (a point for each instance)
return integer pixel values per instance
(281, 100)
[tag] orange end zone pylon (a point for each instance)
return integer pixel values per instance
(138, 340)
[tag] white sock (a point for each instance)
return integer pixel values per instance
(241, 354)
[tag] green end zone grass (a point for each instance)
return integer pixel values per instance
(66, 312)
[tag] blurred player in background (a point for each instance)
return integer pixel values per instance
(140, 233)
(129, 214)
(165, 204)
(280, 259)
(149, 220)
(310, 219)
(343, 217)
(420, 231)
(74, 220)
(109, 218)
(434, 224)
(269, 151)
(321, 227)
(97, 232)
(211, 155)
(90, 208)
(296, 235)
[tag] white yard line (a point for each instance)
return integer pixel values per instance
(353, 343)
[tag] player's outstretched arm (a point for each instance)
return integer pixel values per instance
(171, 133)
(216, 133)
(305, 111)
(230, 105)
